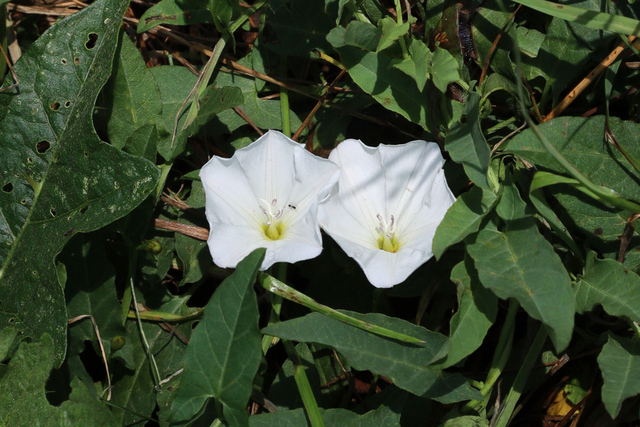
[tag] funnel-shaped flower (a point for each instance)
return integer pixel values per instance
(387, 206)
(266, 196)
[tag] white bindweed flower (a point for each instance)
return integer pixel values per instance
(266, 196)
(387, 206)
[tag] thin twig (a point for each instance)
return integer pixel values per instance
(495, 44)
(318, 105)
(13, 73)
(188, 230)
(580, 87)
(104, 354)
(495, 147)
(248, 120)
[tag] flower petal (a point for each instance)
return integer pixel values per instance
(418, 234)
(230, 199)
(404, 181)
(383, 269)
(229, 244)
(274, 168)
(361, 184)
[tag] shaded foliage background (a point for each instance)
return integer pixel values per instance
(103, 228)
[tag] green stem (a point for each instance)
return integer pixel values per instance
(159, 316)
(275, 286)
(284, 100)
(308, 399)
(521, 379)
(500, 358)
(403, 46)
(280, 270)
(353, 8)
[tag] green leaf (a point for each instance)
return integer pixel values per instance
(134, 387)
(301, 27)
(467, 146)
(264, 113)
(619, 362)
(592, 19)
(363, 35)
(173, 12)
(132, 98)
(444, 69)
(91, 290)
(405, 364)
(375, 74)
(477, 310)
(580, 141)
(519, 263)
(224, 352)
(143, 142)
(391, 31)
(467, 421)
(607, 283)
(213, 101)
(195, 257)
(7, 341)
(22, 392)
(463, 218)
(283, 391)
(383, 416)
(81, 184)
(440, 65)
(529, 41)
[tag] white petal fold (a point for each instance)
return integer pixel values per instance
(397, 190)
(272, 180)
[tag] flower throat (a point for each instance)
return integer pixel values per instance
(387, 240)
(272, 228)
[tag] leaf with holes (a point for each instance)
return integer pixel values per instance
(57, 177)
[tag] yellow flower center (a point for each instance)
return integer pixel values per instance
(387, 240)
(272, 228)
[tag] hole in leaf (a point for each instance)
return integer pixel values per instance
(8, 187)
(23, 201)
(76, 61)
(91, 43)
(11, 320)
(55, 105)
(43, 146)
(86, 154)
(67, 104)
(29, 160)
(83, 210)
(63, 61)
(53, 212)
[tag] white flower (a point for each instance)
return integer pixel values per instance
(387, 206)
(266, 196)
